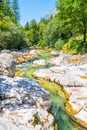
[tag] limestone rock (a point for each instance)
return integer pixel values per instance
(25, 104)
(65, 75)
(40, 62)
(34, 52)
(54, 53)
(7, 64)
(5, 125)
(73, 80)
(5, 51)
(68, 59)
(76, 105)
(22, 56)
(60, 60)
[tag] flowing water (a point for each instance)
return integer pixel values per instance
(62, 120)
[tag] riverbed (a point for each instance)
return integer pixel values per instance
(62, 120)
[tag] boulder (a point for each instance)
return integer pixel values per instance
(54, 53)
(65, 75)
(5, 125)
(34, 52)
(73, 80)
(40, 62)
(25, 104)
(68, 59)
(60, 60)
(5, 51)
(7, 64)
(76, 105)
(22, 56)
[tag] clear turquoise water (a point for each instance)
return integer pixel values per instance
(61, 118)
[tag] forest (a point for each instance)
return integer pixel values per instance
(66, 31)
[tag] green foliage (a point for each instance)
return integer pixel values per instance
(11, 36)
(41, 42)
(45, 54)
(70, 21)
(74, 47)
(5, 10)
(44, 20)
(15, 8)
(73, 13)
(32, 32)
(26, 27)
(51, 33)
(59, 44)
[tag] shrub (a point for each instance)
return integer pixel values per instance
(41, 43)
(74, 47)
(12, 36)
(59, 44)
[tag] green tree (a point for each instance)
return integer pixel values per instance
(52, 32)
(11, 36)
(27, 27)
(5, 9)
(73, 13)
(33, 32)
(15, 7)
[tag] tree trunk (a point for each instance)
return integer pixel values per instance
(84, 33)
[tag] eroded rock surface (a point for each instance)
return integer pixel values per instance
(5, 125)
(24, 104)
(22, 57)
(54, 53)
(68, 59)
(7, 64)
(40, 62)
(25, 56)
(73, 79)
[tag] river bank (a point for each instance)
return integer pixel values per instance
(61, 65)
(68, 95)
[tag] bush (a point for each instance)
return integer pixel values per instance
(41, 43)
(74, 47)
(59, 44)
(11, 35)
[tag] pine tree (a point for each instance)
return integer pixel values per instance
(15, 7)
(27, 26)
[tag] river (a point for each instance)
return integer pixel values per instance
(62, 120)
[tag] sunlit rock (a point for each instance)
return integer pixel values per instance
(68, 59)
(7, 64)
(5, 51)
(73, 80)
(6, 125)
(22, 56)
(25, 104)
(54, 53)
(34, 52)
(40, 62)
